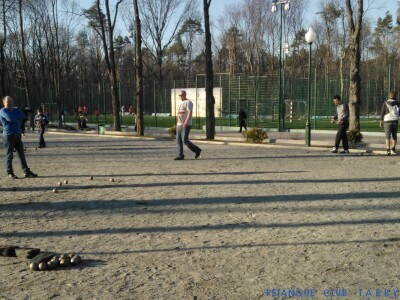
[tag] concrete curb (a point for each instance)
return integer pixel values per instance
(219, 142)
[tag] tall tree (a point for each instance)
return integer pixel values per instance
(3, 65)
(161, 22)
(210, 101)
(23, 54)
(355, 27)
(104, 25)
(139, 71)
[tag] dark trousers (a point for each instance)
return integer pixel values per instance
(182, 137)
(12, 142)
(342, 136)
(42, 143)
(242, 123)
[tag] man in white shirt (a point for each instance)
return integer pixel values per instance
(183, 125)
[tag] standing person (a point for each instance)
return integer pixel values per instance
(11, 119)
(390, 121)
(132, 112)
(41, 122)
(183, 126)
(341, 118)
(242, 120)
(29, 117)
(63, 115)
(79, 115)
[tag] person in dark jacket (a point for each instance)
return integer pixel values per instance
(341, 118)
(41, 122)
(242, 120)
(12, 119)
(390, 122)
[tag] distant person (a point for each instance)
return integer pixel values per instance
(242, 120)
(11, 118)
(41, 122)
(85, 110)
(184, 123)
(63, 112)
(29, 117)
(341, 118)
(390, 121)
(82, 112)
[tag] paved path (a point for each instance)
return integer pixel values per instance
(228, 226)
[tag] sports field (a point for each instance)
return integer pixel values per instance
(238, 222)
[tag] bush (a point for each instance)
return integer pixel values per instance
(172, 131)
(255, 135)
(354, 136)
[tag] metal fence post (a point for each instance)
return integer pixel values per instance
(154, 101)
(220, 99)
(229, 99)
(315, 98)
(175, 112)
(197, 104)
(255, 100)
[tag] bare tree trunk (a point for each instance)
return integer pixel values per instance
(342, 57)
(210, 101)
(108, 49)
(113, 72)
(3, 66)
(355, 24)
(57, 62)
(23, 52)
(139, 72)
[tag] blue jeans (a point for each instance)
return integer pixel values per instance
(182, 137)
(11, 142)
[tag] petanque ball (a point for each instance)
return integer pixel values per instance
(65, 262)
(51, 264)
(42, 266)
(33, 266)
(76, 260)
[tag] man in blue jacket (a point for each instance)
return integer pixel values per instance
(12, 121)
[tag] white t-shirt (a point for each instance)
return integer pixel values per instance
(184, 108)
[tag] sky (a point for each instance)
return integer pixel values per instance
(375, 8)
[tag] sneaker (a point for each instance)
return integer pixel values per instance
(345, 152)
(334, 150)
(393, 152)
(388, 152)
(30, 174)
(12, 176)
(197, 155)
(179, 158)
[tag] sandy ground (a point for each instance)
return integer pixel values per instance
(228, 226)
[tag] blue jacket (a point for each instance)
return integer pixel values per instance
(12, 121)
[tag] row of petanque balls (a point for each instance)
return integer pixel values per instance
(59, 184)
(52, 263)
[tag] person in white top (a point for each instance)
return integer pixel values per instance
(183, 125)
(390, 121)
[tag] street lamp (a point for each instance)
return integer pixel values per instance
(284, 5)
(310, 38)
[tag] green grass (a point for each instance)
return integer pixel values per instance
(197, 123)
